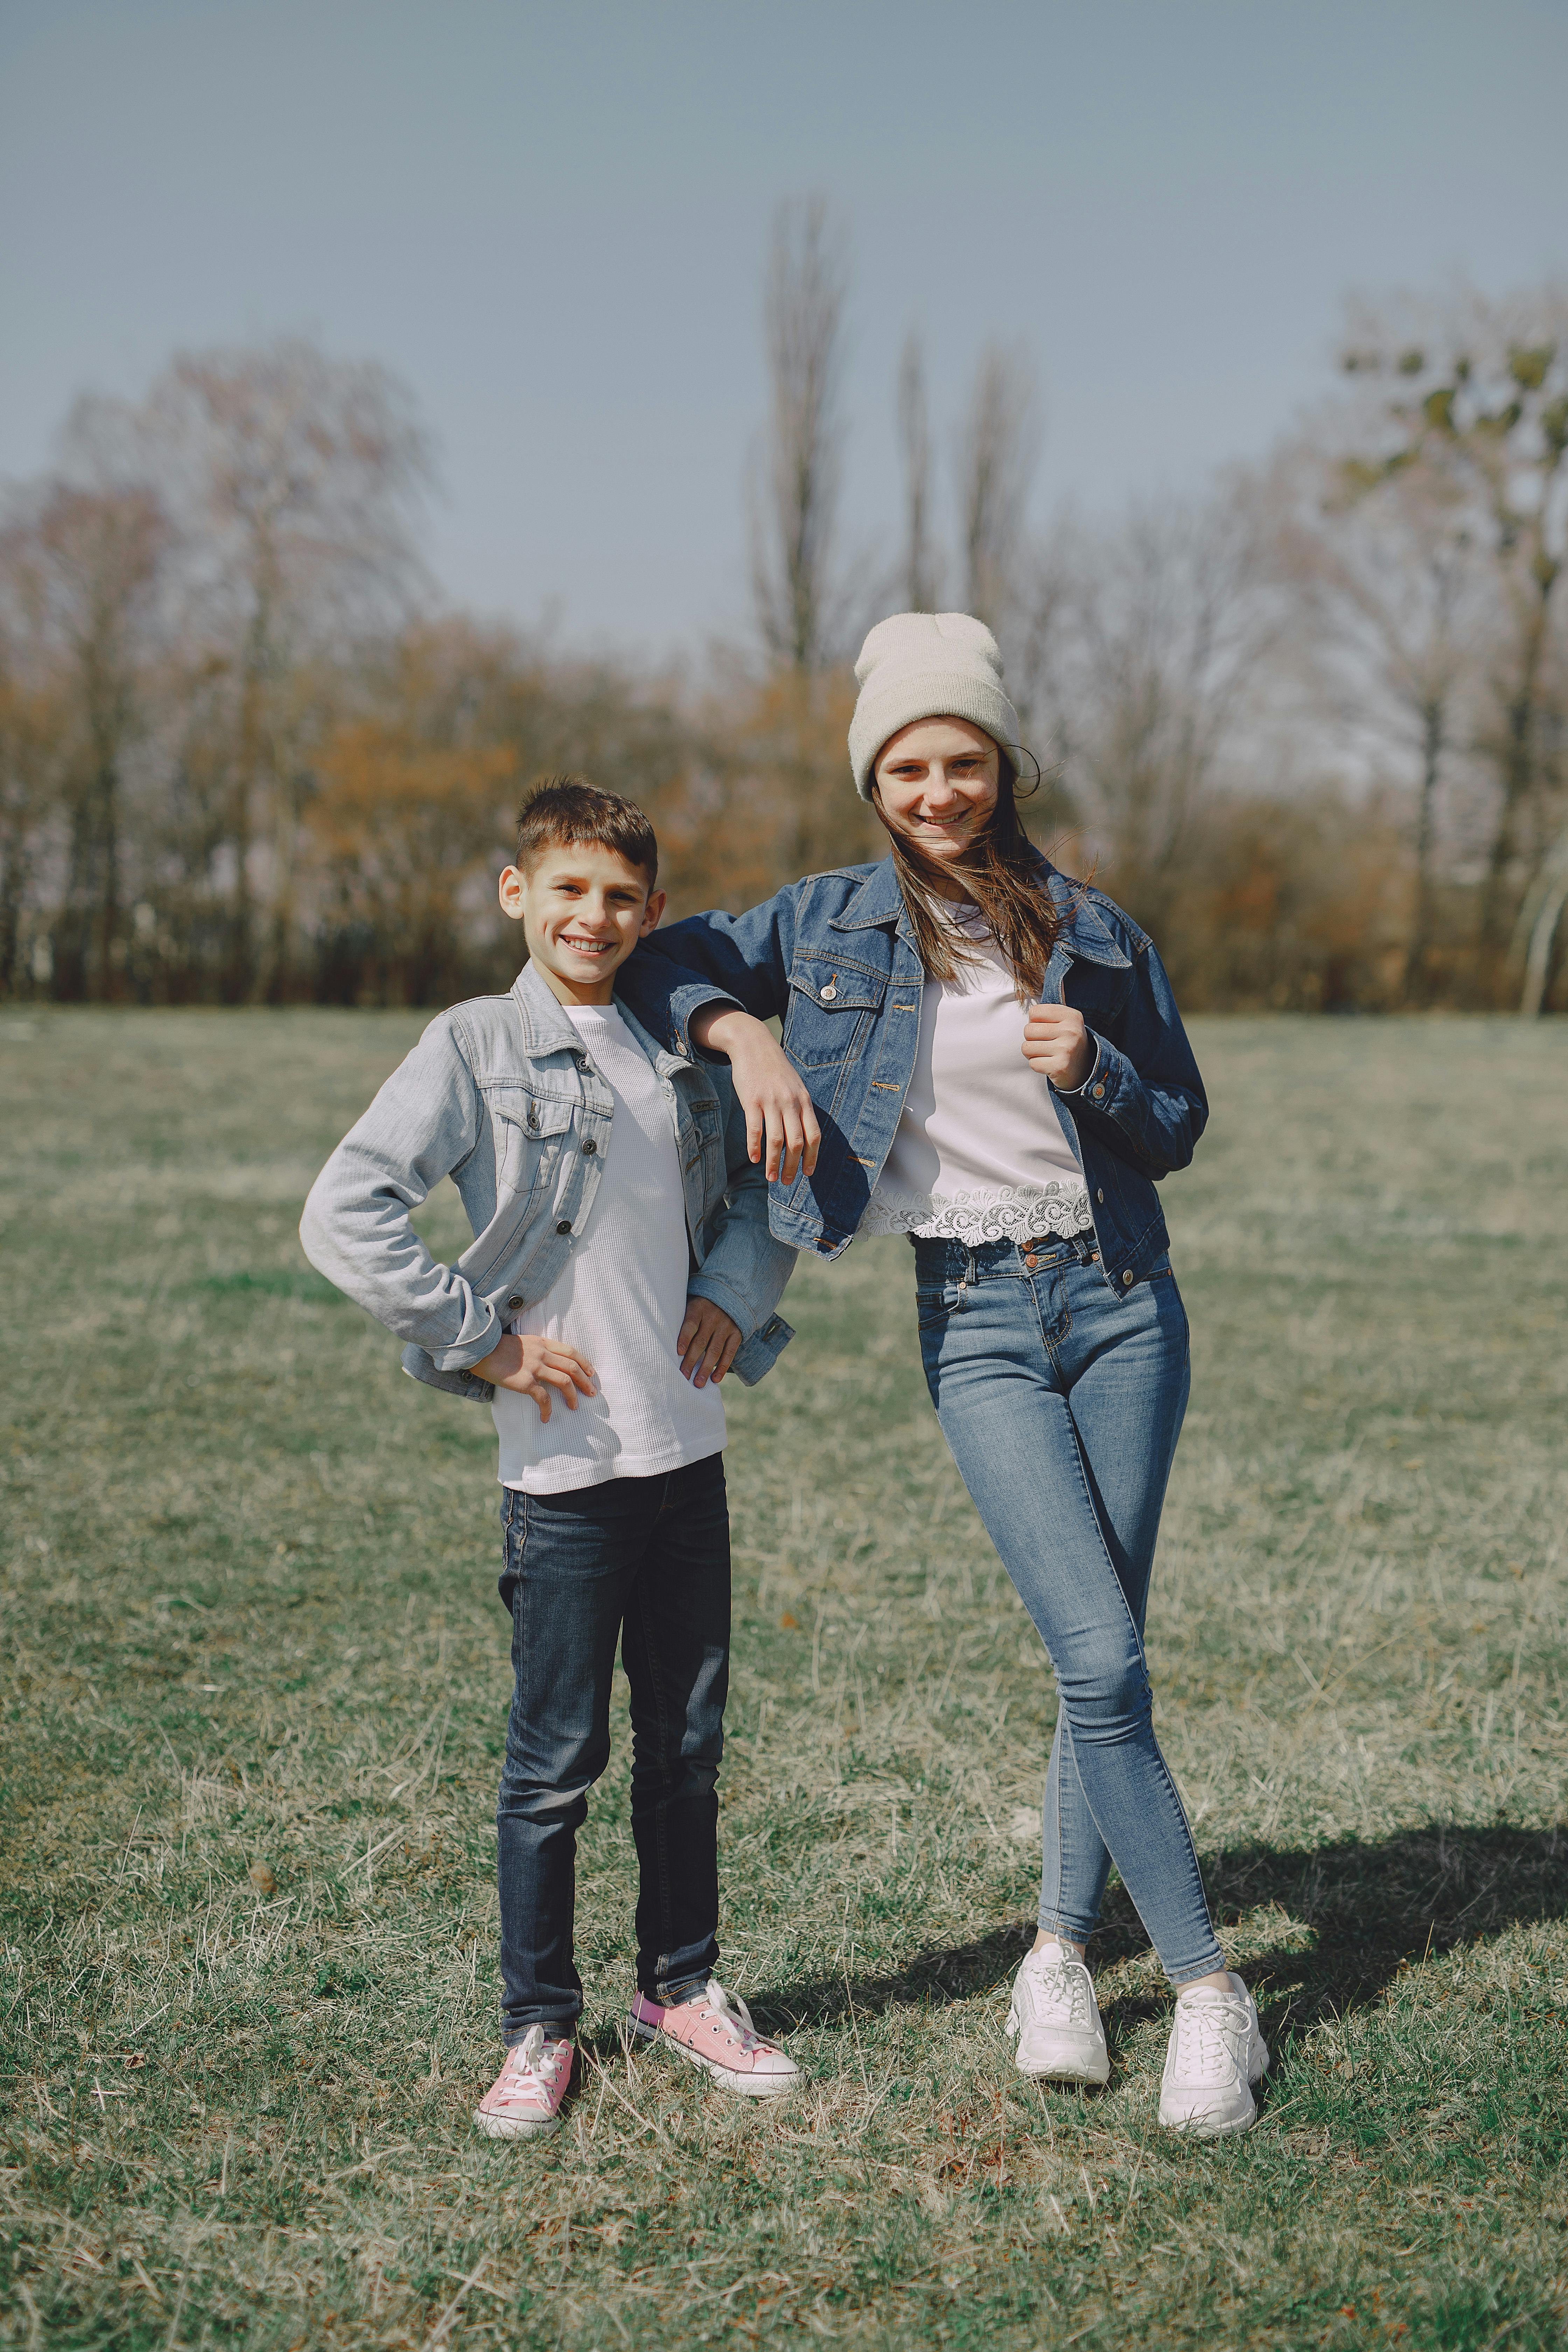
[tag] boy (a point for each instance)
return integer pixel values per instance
(621, 1264)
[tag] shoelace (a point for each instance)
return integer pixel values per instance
(1203, 2023)
(729, 2011)
(535, 2062)
(1064, 1985)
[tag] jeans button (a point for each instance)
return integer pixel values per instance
(1031, 1261)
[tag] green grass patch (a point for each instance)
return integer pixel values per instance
(255, 1680)
(274, 1281)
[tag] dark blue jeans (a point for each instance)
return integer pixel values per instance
(645, 1562)
(1062, 1401)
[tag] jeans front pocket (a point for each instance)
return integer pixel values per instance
(1161, 1296)
(933, 1306)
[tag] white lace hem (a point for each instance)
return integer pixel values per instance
(1020, 1213)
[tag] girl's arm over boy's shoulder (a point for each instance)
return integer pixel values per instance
(355, 1230)
(747, 957)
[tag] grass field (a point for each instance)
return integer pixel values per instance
(256, 1683)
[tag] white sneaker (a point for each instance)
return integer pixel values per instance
(1057, 2018)
(1217, 2053)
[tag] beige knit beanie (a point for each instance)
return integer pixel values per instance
(926, 665)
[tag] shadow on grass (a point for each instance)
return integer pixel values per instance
(1373, 1908)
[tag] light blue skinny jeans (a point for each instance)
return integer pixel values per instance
(1062, 1403)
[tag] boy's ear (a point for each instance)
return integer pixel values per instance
(651, 912)
(513, 882)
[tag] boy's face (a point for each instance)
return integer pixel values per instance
(582, 910)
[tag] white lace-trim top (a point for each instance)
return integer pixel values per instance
(1020, 1213)
(979, 1154)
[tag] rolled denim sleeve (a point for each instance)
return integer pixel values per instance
(745, 1269)
(356, 1227)
(712, 959)
(1144, 1097)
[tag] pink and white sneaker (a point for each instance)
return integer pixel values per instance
(715, 2032)
(524, 2100)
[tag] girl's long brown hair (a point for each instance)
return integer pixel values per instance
(1001, 871)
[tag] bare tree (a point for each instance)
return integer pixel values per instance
(1540, 916)
(1478, 392)
(792, 535)
(914, 440)
(294, 480)
(83, 566)
(997, 450)
(1144, 674)
(29, 730)
(1387, 592)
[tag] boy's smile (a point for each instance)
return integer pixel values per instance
(582, 908)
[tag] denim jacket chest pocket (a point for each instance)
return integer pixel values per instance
(1098, 990)
(530, 1133)
(831, 1009)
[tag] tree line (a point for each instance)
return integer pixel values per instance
(1309, 726)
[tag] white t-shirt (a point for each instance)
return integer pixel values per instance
(979, 1154)
(620, 1302)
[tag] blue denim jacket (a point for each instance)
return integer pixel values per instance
(834, 958)
(502, 1095)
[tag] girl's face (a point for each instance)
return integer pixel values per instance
(935, 784)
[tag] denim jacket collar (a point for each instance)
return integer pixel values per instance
(879, 900)
(548, 1027)
(1084, 933)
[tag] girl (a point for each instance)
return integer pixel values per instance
(993, 1064)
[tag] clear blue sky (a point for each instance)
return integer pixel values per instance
(551, 220)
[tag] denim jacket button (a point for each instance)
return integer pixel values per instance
(564, 1226)
(1099, 1093)
(589, 1149)
(1127, 1279)
(1099, 1195)
(513, 1305)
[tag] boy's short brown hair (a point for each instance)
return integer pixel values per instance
(559, 810)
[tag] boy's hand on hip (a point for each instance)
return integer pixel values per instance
(533, 1367)
(707, 1343)
(1058, 1045)
(769, 1089)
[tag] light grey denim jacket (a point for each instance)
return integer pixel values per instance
(502, 1095)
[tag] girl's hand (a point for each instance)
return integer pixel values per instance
(1057, 1043)
(533, 1367)
(769, 1089)
(708, 1342)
